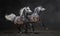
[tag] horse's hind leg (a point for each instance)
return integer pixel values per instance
(18, 27)
(45, 27)
(30, 27)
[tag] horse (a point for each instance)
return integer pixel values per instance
(19, 20)
(24, 12)
(35, 16)
(21, 17)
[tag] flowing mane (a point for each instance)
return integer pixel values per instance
(21, 11)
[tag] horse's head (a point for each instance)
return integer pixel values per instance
(38, 9)
(25, 10)
(10, 17)
(28, 10)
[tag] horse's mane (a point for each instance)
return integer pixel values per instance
(21, 11)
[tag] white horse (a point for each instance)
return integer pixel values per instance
(35, 17)
(18, 19)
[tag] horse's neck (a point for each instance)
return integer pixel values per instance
(35, 13)
(37, 10)
(22, 12)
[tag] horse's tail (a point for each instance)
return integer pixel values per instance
(10, 17)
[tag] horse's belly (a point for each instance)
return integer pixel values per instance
(18, 20)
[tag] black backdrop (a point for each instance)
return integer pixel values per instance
(13, 6)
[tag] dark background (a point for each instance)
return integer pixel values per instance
(51, 17)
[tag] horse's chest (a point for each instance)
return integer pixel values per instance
(34, 18)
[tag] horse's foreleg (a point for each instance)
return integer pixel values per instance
(25, 28)
(32, 27)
